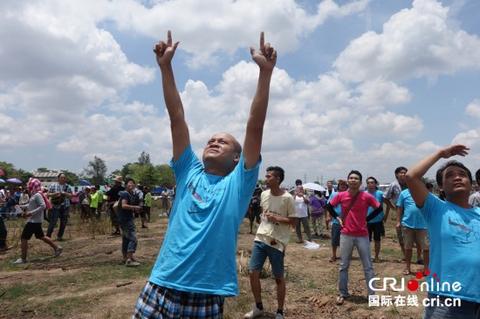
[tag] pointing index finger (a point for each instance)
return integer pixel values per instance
(169, 37)
(262, 40)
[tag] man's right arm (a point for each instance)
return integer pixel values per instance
(178, 126)
(417, 187)
(399, 216)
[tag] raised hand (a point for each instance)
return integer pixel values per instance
(164, 51)
(452, 150)
(266, 57)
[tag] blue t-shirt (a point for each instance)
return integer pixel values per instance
(337, 209)
(198, 253)
(412, 217)
(454, 245)
(379, 197)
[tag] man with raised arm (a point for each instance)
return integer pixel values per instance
(196, 266)
(454, 232)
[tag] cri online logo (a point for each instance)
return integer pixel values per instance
(414, 285)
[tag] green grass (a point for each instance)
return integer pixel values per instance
(15, 292)
(64, 306)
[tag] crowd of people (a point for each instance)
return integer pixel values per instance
(196, 266)
(56, 202)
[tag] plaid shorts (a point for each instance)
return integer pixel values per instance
(165, 303)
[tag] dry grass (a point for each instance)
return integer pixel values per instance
(87, 281)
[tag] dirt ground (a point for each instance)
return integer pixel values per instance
(88, 281)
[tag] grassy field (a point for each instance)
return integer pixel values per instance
(89, 281)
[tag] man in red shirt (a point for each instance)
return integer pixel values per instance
(354, 233)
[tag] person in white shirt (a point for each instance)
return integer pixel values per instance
(272, 237)
(301, 209)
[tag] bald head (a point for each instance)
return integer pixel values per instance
(222, 153)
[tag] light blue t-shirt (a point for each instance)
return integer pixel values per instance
(454, 234)
(412, 217)
(379, 197)
(198, 253)
(337, 209)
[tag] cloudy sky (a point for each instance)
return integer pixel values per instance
(366, 85)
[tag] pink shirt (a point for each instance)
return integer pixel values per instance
(355, 224)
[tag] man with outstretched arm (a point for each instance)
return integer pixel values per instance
(196, 266)
(454, 231)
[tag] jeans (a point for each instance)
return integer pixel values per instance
(306, 228)
(56, 213)
(129, 236)
(346, 248)
(260, 252)
(467, 310)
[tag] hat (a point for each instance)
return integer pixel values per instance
(118, 179)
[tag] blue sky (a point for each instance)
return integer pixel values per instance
(366, 85)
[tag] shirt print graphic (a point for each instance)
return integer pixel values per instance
(464, 234)
(202, 197)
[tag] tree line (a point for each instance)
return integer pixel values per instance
(143, 171)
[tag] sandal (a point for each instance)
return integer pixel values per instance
(332, 260)
(407, 272)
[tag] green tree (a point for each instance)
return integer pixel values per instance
(96, 171)
(23, 175)
(166, 175)
(72, 178)
(143, 174)
(126, 171)
(8, 169)
(144, 158)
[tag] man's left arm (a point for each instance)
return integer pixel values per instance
(53, 191)
(265, 58)
(377, 208)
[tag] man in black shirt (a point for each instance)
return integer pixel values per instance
(113, 196)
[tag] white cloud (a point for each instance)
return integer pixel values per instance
(469, 138)
(322, 121)
(473, 108)
(205, 33)
(61, 68)
(377, 94)
(387, 124)
(416, 42)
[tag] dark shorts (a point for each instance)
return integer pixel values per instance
(160, 302)
(32, 228)
(377, 230)
(336, 235)
(260, 252)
